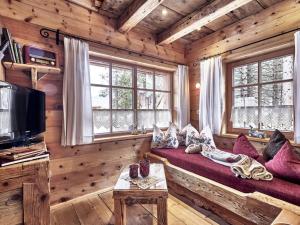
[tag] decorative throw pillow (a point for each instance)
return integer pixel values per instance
(192, 136)
(243, 146)
(277, 140)
(167, 140)
(193, 148)
(171, 140)
(158, 138)
(181, 135)
(203, 138)
(207, 137)
(285, 164)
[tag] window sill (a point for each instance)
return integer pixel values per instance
(121, 137)
(264, 140)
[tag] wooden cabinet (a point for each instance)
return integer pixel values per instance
(24, 193)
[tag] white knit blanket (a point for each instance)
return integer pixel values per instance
(241, 165)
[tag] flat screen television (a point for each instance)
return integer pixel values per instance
(22, 114)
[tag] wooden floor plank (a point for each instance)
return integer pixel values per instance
(86, 213)
(136, 214)
(107, 198)
(64, 215)
(102, 210)
(98, 209)
(172, 220)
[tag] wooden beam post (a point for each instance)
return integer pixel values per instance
(199, 19)
(137, 11)
(34, 77)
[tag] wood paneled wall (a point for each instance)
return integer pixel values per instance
(77, 170)
(71, 18)
(279, 18)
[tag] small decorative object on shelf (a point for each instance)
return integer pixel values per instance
(144, 167)
(143, 129)
(133, 171)
(256, 133)
(39, 56)
(133, 129)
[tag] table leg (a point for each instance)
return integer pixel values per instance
(120, 212)
(162, 211)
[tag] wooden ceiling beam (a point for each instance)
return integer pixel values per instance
(199, 18)
(136, 11)
(85, 4)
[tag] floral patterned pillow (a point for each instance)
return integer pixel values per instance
(181, 135)
(167, 140)
(192, 136)
(171, 140)
(158, 138)
(203, 138)
(207, 136)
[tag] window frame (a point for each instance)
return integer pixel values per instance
(97, 60)
(229, 88)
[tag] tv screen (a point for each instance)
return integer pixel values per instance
(22, 113)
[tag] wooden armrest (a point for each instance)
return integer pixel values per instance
(286, 217)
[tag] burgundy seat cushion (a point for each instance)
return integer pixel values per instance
(243, 146)
(202, 166)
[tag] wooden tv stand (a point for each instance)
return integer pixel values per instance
(24, 193)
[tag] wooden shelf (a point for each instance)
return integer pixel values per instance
(29, 67)
(36, 71)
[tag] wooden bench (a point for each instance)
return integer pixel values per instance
(234, 206)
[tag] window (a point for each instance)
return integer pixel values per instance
(123, 95)
(261, 94)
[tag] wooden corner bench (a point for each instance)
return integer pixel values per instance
(234, 206)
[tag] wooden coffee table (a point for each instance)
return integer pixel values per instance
(126, 193)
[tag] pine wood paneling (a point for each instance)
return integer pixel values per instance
(280, 17)
(77, 170)
(77, 20)
(276, 19)
(198, 19)
(11, 206)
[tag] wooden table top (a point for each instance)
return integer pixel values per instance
(156, 170)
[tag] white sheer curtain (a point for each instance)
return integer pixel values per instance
(211, 105)
(297, 87)
(183, 96)
(77, 103)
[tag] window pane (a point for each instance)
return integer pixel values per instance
(277, 69)
(121, 120)
(246, 74)
(99, 73)
(163, 118)
(122, 76)
(245, 107)
(277, 94)
(101, 121)
(145, 99)
(277, 106)
(162, 100)
(121, 98)
(244, 117)
(100, 97)
(162, 81)
(245, 96)
(281, 118)
(146, 118)
(145, 79)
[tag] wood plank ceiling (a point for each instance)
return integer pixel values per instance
(168, 12)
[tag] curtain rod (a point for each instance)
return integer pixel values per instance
(45, 33)
(255, 42)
